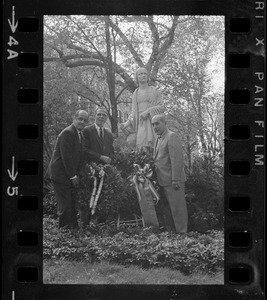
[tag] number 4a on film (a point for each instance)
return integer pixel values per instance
(12, 41)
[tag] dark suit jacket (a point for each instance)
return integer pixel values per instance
(67, 156)
(94, 146)
(169, 161)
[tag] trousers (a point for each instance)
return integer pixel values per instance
(172, 209)
(66, 207)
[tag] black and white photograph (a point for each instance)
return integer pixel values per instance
(133, 149)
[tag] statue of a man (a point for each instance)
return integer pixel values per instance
(146, 102)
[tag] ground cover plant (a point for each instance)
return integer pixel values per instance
(187, 253)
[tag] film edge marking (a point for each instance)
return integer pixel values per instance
(11, 190)
(258, 101)
(12, 41)
(259, 5)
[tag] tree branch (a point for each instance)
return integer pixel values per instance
(86, 37)
(121, 91)
(158, 57)
(156, 43)
(127, 43)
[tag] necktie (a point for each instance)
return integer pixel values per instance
(101, 132)
(80, 137)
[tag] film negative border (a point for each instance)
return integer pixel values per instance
(23, 235)
(246, 74)
(244, 151)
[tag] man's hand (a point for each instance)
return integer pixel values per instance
(175, 185)
(75, 181)
(105, 159)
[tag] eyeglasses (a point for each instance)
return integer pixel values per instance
(99, 114)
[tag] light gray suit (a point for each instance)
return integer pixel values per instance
(169, 167)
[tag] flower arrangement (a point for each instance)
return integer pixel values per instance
(142, 176)
(98, 173)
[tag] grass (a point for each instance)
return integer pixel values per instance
(66, 272)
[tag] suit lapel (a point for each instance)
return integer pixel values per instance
(82, 140)
(160, 141)
(75, 132)
(159, 145)
(156, 148)
(104, 134)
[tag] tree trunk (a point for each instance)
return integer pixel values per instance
(111, 81)
(189, 154)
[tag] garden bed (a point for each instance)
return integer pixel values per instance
(188, 253)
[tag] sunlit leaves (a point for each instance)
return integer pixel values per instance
(192, 80)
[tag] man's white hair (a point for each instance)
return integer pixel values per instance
(161, 117)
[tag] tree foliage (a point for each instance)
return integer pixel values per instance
(91, 60)
(192, 78)
(108, 49)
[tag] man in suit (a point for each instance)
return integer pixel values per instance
(64, 168)
(98, 141)
(170, 175)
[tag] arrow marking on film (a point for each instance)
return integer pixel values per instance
(13, 24)
(12, 174)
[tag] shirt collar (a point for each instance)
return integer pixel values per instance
(97, 127)
(78, 131)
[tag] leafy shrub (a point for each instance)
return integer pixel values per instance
(188, 253)
(204, 221)
(113, 198)
(204, 195)
(49, 200)
(124, 160)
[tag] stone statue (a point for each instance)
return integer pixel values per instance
(146, 102)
